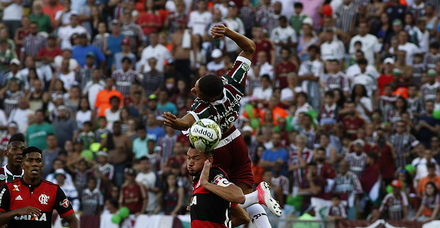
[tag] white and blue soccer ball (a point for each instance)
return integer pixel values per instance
(205, 135)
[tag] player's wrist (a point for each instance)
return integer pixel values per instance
(227, 32)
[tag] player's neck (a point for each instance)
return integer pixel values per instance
(31, 181)
(16, 170)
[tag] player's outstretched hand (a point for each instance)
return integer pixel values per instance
(169, 119)
(28, 211)
(204, 176)
(218, 31)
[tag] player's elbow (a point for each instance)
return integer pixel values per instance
(240, 199)
(252, 47)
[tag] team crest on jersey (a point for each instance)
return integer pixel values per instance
(245, 66)
(16, 188)
(2, 177)
(65, 203)
(43, 199)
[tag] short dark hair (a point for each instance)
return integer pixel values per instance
(435, 45)
(430, 165)
(211, 85)
(143, 158)
(126, 59)
(31, 149)
(314, 47)
(330, 93)
(362, 61)
(40, 110)
(372, 155)
(319, 148)
(312, 163)
(115, 97)
(336, 196)
(141, 127)
(87, 123)
(16, 137)
(358, 42)
(298, 5)
(266, 76)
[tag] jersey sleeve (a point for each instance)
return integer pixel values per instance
(200, 110)
(62, 204)
(5, 198)
(239, 71)
(218, 177)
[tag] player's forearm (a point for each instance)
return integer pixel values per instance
(232, 193)
(246, 44)
(7, 216)
(72, 220)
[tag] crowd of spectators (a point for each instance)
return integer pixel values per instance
(343, 98)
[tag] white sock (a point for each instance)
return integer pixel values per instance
(258, 216)
(251, 198)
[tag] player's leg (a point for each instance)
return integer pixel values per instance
(241, 174)
(239, 216)
(256, 212)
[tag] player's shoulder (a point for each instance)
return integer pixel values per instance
(217, 171)
(49, 184)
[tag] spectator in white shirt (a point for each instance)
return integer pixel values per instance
(409, 48)
(283, 36)
(355, 69)
(64, 33)
(365, 79)
(157, 51)
(236, 24)
(217, 62)
(200, 19)
(332, 48)
(263, 93)
(264, 66)
(370, 44)
(12, 14)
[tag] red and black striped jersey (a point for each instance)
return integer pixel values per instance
(207, 209)
(45, 196)
(226, 110)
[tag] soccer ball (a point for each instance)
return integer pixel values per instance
(205, 135)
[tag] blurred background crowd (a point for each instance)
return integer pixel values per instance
(343, 99)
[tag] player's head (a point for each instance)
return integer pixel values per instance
(15, 149)
(32, 163)
(195, 160)
(336, 199)
(208, 88)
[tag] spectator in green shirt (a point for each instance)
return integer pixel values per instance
(43, 20)
(6, 55)
(36, 133)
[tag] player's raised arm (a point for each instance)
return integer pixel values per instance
(247, 45)
(225, 189)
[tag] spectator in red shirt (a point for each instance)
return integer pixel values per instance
(352, 122)
(133, 195)
(371, 173)
(284, 68)
(386, 159)
(149, 20)
(262, 44)
(387, 76)
(325, 170)
(312, 185)
(47, 55)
